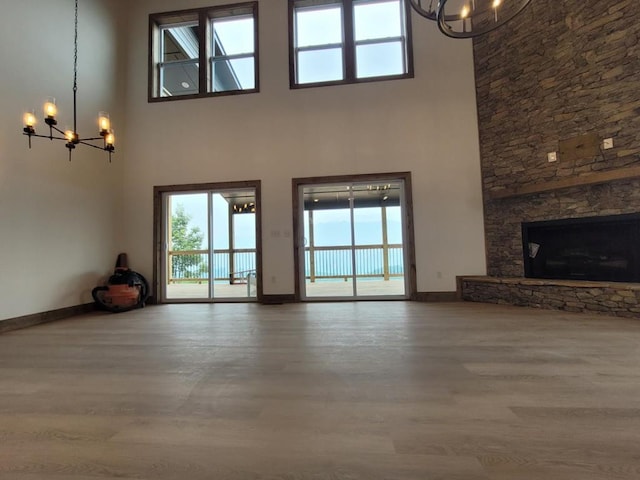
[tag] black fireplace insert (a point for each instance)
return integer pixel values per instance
(592, 248)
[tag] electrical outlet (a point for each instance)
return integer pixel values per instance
(552, 157)
(607, 143)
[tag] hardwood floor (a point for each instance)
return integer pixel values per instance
(342, 391)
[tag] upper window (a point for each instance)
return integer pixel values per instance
(204, 52)
(348, 41)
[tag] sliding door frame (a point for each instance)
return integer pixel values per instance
(158, 231)
(408, 233)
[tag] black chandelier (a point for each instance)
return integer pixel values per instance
(469, 18)
(70, 136)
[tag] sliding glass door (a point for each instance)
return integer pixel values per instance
(353, 237)
(210, 250)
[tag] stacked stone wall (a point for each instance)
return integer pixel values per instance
(557, 71)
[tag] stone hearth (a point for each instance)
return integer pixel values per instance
(609, 298)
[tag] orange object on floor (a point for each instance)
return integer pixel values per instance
(122, 296)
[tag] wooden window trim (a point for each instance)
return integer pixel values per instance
(158, 239)
(204, 15)
(409, 234)
(349, 47)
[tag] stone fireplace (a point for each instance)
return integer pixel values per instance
(557, 74)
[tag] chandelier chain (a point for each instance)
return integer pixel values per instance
(75, 52)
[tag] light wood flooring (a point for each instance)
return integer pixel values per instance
(330, 391)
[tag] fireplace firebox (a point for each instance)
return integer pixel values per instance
(593, 248)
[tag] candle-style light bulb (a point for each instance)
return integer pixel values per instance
(29, 124)
(29, 119)
(50, 108)
(496, 4)
(464, 13)
(110, 140)
(104, 123)
(69, 135)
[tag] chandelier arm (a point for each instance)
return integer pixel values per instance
(84, 142)
(61, 132)
(431, 13)
(417, 6)
(45, 136)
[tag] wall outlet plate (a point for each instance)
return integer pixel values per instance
(552, 157)
(607, 143)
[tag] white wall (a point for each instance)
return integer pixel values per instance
(426, 125)
(62, 224)
(57, 218)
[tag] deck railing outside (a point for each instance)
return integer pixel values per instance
(373, 261)
(193, 265)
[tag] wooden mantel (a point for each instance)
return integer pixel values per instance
(586, 179)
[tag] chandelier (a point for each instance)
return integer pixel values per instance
(468, 18)
(71, 136)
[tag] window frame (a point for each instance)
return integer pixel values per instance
(349, 44)
(212, 58)
(320, 47)
(206, 57)
(161, 64)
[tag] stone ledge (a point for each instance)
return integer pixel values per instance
(606, 298)
(552, 283)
